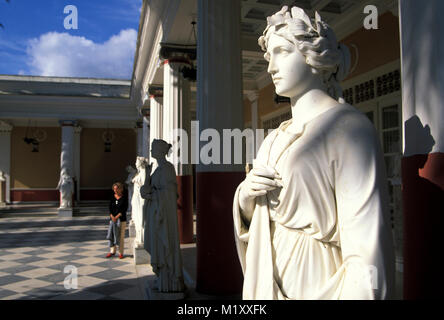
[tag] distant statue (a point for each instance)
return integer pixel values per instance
(137, 202)
(311, 218)
(130, 185)
(162, 232)
(66, 188)
(2, 180)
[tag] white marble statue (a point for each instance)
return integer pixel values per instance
(2, 181)
(162, 232)
(130, 185)
(311, 218)
(137, 202)
(66, 188)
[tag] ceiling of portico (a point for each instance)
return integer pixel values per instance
(344, 16)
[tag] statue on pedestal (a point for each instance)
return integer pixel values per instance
(311, 218)
(130, 185)
(137, 202)
(66, 188)
(162, 232)
(2, 182)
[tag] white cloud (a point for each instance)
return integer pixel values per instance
(63, 55)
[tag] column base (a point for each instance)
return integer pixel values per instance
(65, 212)
(141, 256)
(2, 204)
(423, 191)
(218, 267)
(154, 294)
(185, 208)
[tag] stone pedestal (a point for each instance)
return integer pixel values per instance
(154, 294)
(65, 212)
(141, 256)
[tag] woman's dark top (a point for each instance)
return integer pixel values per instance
(117, 206)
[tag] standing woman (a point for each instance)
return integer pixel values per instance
(117, 207)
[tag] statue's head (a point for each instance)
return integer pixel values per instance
(160, 148)
(140, 162)
(301, 52)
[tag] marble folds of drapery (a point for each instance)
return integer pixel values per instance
(325, 234)
(138, 204)
(162, 230)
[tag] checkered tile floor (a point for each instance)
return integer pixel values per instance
(34, 252)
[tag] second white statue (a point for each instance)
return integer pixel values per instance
(161, 225)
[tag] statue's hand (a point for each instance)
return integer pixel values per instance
(258, 182)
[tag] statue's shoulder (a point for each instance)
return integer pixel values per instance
(348, 126)
(167, 168)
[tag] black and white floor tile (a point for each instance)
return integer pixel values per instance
(38, 256)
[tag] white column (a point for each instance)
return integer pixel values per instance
(146, 147)
(422, 72)
(176, 130)
(254, 97)
(5, 157)
(67, 162)
(76, 158)
(219, 78)
(66, 156)
(219, 106)
(176, 104)
(139, 133)
(156, 118)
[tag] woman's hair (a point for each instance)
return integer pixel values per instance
(163, 146)
(119, 185)
(318, 43)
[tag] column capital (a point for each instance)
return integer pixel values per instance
(180, 53)
(78, 129)
(5, 127)
(253, 96)
(68, 123)
(155, 91)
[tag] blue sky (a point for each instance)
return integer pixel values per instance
(35, 42)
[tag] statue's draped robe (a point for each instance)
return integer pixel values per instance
(162, 238)
(325, 234)
(66, 188)
(138, 204)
